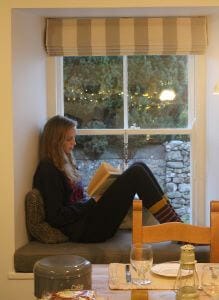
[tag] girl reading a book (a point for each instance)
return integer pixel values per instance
(67, 206)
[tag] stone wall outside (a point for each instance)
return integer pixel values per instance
(172, 170)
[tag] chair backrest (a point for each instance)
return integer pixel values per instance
(174, 231)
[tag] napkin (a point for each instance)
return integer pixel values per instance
(117, 279)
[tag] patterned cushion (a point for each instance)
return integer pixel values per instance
(37, 228)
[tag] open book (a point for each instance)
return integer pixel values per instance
(102, 179)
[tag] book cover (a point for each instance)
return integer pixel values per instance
(102, 179)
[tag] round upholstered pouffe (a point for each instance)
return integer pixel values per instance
(60, 272)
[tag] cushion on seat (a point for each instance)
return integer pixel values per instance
(37, 228)
(116, 249)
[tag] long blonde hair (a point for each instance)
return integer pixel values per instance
(51, 145)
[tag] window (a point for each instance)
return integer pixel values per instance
(114, 112)
(133, 94)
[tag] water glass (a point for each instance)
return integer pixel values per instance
(141, 259)
(210, 280)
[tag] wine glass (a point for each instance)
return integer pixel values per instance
(210, 280)
(141, 259)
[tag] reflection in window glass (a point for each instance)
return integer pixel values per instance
(157, 87)
(93, 91)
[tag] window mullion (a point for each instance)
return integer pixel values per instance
(125, 101)
(164, 131)
(55, 91)
(125, 90)
(191, 95)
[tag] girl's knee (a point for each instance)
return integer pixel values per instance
(137, 167)
(141, 164)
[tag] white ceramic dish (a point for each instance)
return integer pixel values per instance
(167, 269)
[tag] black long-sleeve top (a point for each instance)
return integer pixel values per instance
(56, 192)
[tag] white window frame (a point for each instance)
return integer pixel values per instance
(196, 120)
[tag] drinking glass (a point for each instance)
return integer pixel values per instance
(141, 259)
(210, 280)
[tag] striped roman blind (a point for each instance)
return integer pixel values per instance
(125, 36)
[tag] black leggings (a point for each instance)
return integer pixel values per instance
(105, 217)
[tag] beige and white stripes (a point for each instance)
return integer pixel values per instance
(125, 36)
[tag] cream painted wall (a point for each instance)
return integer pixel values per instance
(6, 150)
(23, 111)
(212, 112)
(29, 106)
(23, 95)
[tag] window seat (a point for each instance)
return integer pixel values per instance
(45, 241)
(115, 249)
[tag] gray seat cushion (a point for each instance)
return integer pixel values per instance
(115, 249)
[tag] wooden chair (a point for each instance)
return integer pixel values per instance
(174, 231)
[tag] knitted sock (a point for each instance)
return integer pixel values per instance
(164, 212)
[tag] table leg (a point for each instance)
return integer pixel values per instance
(139, 295)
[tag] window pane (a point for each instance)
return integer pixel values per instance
(167, 156)
(91, 150)
(169, 159)
(152, 81)
(93, 91)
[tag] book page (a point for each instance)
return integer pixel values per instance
(102, 179)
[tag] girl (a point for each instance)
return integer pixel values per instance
(67, 206)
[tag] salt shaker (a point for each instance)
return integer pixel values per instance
(186, 284)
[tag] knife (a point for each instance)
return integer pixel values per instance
(128, 274)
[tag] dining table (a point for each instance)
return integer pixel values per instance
(104, 291)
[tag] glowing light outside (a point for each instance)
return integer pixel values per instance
(167, 95)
